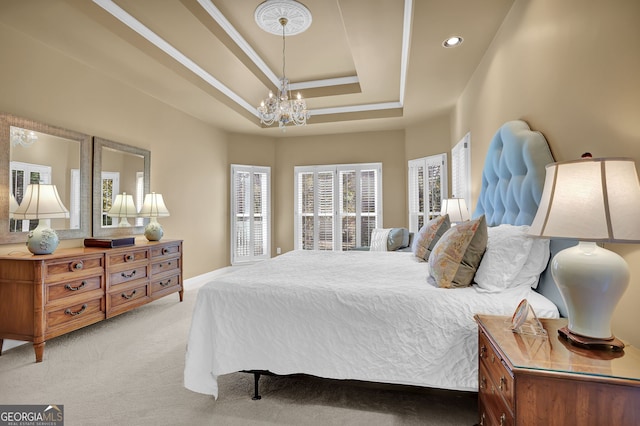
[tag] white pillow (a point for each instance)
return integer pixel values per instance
(508, 249)
(536, 263)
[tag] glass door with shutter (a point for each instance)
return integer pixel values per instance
(250, 213)
(427, 187)
(337, 206)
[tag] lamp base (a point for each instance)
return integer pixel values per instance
(612, 343)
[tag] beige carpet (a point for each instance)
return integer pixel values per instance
(128, 371)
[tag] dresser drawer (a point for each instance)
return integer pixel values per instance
(64, 319)
(164, 266)
(128, 296)
(496, 369)
(126, 257)
(127, 275)
(167, 250)
(75, 287)
(166, 284)
(70, 268)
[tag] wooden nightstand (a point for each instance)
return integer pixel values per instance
(529, 380)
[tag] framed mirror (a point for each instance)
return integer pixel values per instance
(34, 152)
(119, 171)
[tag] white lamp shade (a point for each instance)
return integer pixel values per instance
(456, 208)
(153, 206)
(13, 205)
(591, 200)
(41, 201)
(123, 206)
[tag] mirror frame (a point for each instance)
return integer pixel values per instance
(98, 144)
(8, 120)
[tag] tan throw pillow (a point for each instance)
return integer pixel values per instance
(456, 256)
(428, 236)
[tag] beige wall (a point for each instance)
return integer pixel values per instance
(386, 147)
(556, 65)
(188, 158)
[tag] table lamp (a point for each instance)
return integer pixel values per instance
(593, 200)
(456, 208)
(153, 207)
(41, 202)
(123, 207)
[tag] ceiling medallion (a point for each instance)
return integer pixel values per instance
(269, 13)
(281, 107)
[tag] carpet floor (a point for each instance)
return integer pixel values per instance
(128, 370)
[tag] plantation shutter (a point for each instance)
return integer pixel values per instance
(461, 169)
(250, 213)
(427, 187)
(346, 206)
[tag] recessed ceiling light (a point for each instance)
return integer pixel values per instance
(452, 41)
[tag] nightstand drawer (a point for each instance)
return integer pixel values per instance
(72, 288)
(496, 369)
(493, 412)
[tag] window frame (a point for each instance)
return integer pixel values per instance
(412, 186)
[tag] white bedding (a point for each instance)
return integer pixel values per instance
(344, 315)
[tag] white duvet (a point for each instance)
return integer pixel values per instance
(343, 315)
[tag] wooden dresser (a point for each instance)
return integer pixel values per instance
(45, 296)
(529, 380)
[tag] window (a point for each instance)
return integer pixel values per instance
(250, 213)
(337, 206)
(427, 188)
(461, 170)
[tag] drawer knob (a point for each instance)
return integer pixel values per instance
(73, 314)
(125, 275)
(128, 257)
(503, 419)
(70, 287)
(76, 266)
(483, 351)
(482, 419)
(493, 358)
(129, 296)
(165, 250)
(503, 382)
(166, 283)
(483, 383)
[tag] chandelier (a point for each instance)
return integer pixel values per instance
(282, 107)
(22, 137)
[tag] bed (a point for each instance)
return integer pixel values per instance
(383, 316)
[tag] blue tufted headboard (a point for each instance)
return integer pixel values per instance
(513, 175)
(512, 182)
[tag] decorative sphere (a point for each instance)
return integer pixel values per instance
(42, 241)
(153, 231)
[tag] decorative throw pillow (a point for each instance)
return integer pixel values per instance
(428, 236)
(398, 238)
(456, 256)
(508, 248)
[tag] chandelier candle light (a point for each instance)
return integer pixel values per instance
(282, 107)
